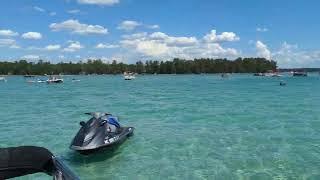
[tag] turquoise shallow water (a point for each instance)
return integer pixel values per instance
(187, 126)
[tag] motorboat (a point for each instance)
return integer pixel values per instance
(3, 79)
(54, 79)
(296, 73)
(101, 131)
(25, 160)
(129, 75)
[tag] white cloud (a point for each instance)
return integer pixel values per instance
(174, 41)
(129, 25)
(262, 50)
(61, 57)
(7, 42)
(30, 57)
(161, 45)
(52, 47)
(290, 56)
(76, 27)
(39, 9)
(8, 32)
(155, 26)
(73, 46)
(262, 29)
(32, 35)
(212, 37)
(73, 11)
(52, 13)
(106, 46)
(99, 2)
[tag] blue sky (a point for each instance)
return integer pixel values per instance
(131, 30)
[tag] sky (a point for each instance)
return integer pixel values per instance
(132, 30)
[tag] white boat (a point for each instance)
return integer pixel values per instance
(271, 73)
(3, 79)
(54, 79)
(129, 76)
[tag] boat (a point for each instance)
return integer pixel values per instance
(54, 79)
(271, 73)
(297, 73)
(3, 79)
(129, 75)
(25, 160)
(101, 131)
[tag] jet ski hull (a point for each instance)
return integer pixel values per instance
(106, 144)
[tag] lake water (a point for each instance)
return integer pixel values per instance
(187, 126)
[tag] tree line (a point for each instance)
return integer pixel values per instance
(176, 66)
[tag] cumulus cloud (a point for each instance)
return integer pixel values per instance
(262, 50)
(173, 41)
(30, 57)
(129, 25)
(161, 45)
(262, 29)
(75, 26)
(290, 56)
(73, 46)
(8, 32)
(99, 2)
(106, 46)
(32, 35)
(212, 37)
(54, 47)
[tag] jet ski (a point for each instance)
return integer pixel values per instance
(100, 132)
(24, 160)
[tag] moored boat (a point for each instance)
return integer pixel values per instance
(54, 79)
(296, 73)
(129, 75)
(3, 79)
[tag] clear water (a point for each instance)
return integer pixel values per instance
(187, 126)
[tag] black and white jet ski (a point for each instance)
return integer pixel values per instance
(101, 131)
(24, 160)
